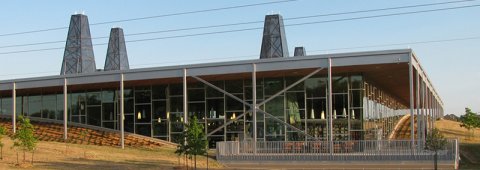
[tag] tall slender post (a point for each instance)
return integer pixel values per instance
(65, 109)
(185, 98)
(419, 118)
(330, 120)
(254, 109)
(424, 118)
(122, 112)
(410, 74)
(14, 107)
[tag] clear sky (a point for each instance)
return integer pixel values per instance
(452, 66)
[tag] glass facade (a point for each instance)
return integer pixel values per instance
(361, 110)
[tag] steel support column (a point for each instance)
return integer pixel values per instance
(65, 109)
(424, 118)
(410, 75)
(330, 105)
(419, 118)
(254, 103)
(122, 112)
(185, 98)
(14, 107)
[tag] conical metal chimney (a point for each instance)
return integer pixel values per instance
(274, 41)
(117, 58)
(299, 51)
(78, 56)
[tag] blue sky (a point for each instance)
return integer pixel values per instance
(451, 66)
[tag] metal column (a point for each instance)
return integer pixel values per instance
(330, 115)
(122, 112)
(254, 109)
(14, 107)
(185, 99)
(65, 109)
(424, 118)
(410, 75)
(419, 118)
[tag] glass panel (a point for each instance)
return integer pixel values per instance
(94, 98)
(275, 131)
(143, 113)
(108, 111)
(197, 109)
(316, 87)
(276, 107)
(59, 106)
(273, 85)
(215, 93)
(129, 106)
(356, 82)
(94, 115)
(49, 106)
(299, 87)
(339, 105)
(176, 104)
(295, 103)
(129, 125)
(234, 86)
(160, 129)
(6, 106)
(196, 95)
(142, 96)
(159, 92)
(108, 96)
(159, 110)
(233, 104)
(128, 93)
(340, 84)
(176, 89)
(35, 106)
(144, 129)
(357, 97)
(110, 125)
(215, 108)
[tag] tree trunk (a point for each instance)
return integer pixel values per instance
(17, 157)
(23, 156)
(207, 159)
(33, 152)
(195, 159)
(435, 160)
(1, 153)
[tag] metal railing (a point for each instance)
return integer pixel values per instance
(365, 150)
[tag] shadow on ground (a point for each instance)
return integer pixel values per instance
(103, 164)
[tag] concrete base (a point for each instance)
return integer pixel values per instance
(350, 165)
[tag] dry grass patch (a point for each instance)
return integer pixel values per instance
(54, 155)
(452, 129)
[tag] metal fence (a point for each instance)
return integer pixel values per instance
(365, 150)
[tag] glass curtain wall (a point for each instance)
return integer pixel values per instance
(360, 109)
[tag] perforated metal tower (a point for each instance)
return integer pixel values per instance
(78, 56)
(117, 58)
(299, 51)
(274, 41)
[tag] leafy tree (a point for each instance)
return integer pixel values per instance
(470, 121)
(435, 141)
(3, 132)
(193, 141)
(196, 139)
(23, 139)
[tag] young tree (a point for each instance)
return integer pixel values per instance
(435, 141)
(3, 132)
(196, 139)
(193, 141)
(23, 139)
(470, 121)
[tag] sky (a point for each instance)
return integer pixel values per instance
(452, 66)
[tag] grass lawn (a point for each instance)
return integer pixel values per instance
(54, 155)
